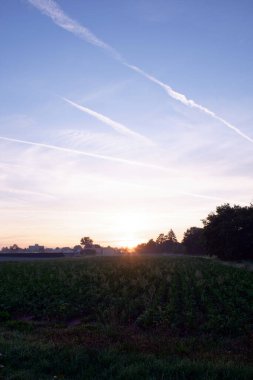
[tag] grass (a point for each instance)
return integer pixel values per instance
(125, 318)
(37, 361)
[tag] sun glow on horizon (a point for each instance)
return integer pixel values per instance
(128, 157)
(128, 243)
(129, 227)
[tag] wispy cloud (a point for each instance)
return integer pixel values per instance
(188, 102)
(26, 192)
(155, 188)
(88, 154)
(52, 10)
(103, 142)
(98, 201)
(113, 124)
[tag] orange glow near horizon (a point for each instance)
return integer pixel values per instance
(127, 229)
(128, 243)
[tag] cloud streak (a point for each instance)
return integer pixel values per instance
(51, 9)
(188, 102)
(88, 154)
(113, 124)
(26, 192)
(146, 189)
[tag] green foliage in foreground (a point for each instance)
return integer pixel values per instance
(184, 295)
(29, 361)
(137, 318)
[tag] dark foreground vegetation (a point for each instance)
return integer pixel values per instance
(125, 318)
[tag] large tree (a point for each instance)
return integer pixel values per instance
(149, 247)
(229, 232)
(86, 242)
(14, 248)
(171, 236)
(168, 243)
(161, 239)
(194, 241)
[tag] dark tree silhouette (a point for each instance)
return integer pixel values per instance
(14, 247)
(150, 246)
(86, 242)
(229, 232)
(163, 244)
(161, 239)
(77, 248)
(171, 236)
(194, 241)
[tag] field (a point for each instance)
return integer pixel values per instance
(125, 318)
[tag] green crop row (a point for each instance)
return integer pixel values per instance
(184, 294)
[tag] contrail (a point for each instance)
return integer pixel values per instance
(113, 124)
(88, 154)
(52, 10)
(103, 157)
(188, 102)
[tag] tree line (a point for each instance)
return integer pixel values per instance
(227, 234)
(165, 243)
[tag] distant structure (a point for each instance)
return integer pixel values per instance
(110, 251)
(98, 249)
(36, 248)
(77, 251)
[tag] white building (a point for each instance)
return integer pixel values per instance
(36, 248)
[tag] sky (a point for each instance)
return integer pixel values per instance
(120, 120)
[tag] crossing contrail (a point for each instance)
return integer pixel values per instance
(89, 154)
(51, 9)
(113, 124)
(107, 158)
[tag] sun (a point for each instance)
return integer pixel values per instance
(128, 243)
(128, 229)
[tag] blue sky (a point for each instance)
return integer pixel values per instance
(137, 159)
